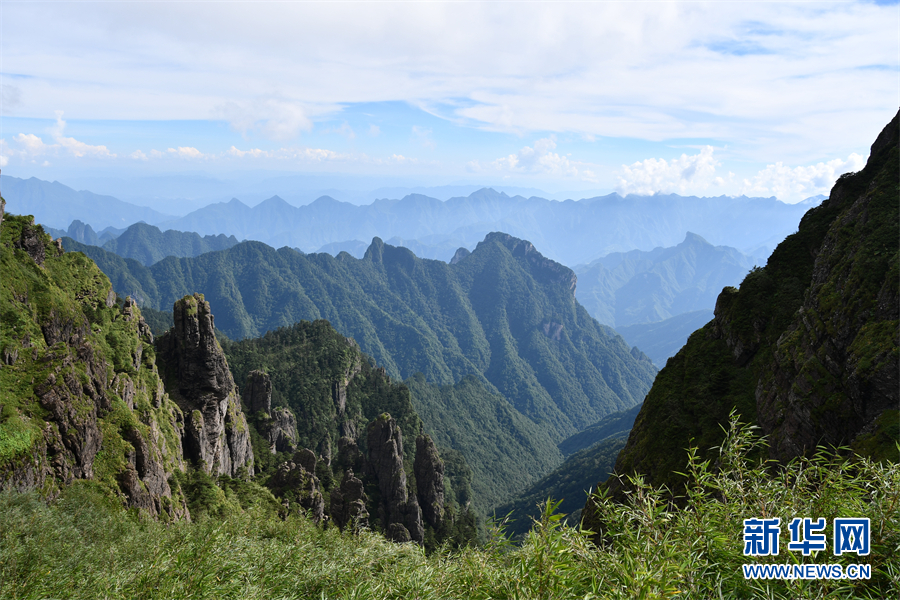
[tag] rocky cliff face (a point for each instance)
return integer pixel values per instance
(296, 481)
(807, 348)
(197, 376)
(278, 427)
(399, 510)
(80, 397)
(348, 503)
(429, 470)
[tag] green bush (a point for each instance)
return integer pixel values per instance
(85, 546)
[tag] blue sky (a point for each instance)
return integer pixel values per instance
(694, 98)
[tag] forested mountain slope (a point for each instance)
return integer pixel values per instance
(504, 313)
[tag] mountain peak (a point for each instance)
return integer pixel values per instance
(275, 201)
(692, 239)
(540, 265)
(375, 251)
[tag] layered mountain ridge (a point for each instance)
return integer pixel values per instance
(503, 313)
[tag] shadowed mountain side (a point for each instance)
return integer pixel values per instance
(503, 313)
(807, 348)
(628, 288)
(608, 426)
(661, 341)
(570, 484)
(505, 450)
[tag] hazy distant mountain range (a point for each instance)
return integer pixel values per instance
(57, 205)
(571, 232)
(628, 288)
(145, 243)
(655, 299)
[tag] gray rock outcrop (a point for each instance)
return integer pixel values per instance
(429, 470)
(196, 373)
(348, 503)
(399, 512)
(257, 394)
(279, 426)
(296, 479)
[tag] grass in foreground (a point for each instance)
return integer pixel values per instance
(85, 546)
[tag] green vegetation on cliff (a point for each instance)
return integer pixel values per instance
(80, 397)
(311, 365)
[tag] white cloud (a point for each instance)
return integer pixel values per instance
(253, 153)
(186, 152)
(74, 147)
(31, 144)
(782, 79)
(156, 154)
(273, 117)
(4, 160)
(138, 155)
(686, 174)
(539, 159)
(374, 130)
(794, 184)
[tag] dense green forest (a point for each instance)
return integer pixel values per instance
(505, 451)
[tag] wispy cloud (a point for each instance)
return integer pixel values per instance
(274, 118)
(422, 135)
(32, 146)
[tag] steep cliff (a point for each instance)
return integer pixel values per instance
(807, 348)
(196, 373)
(80, 396)
(399, 510)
